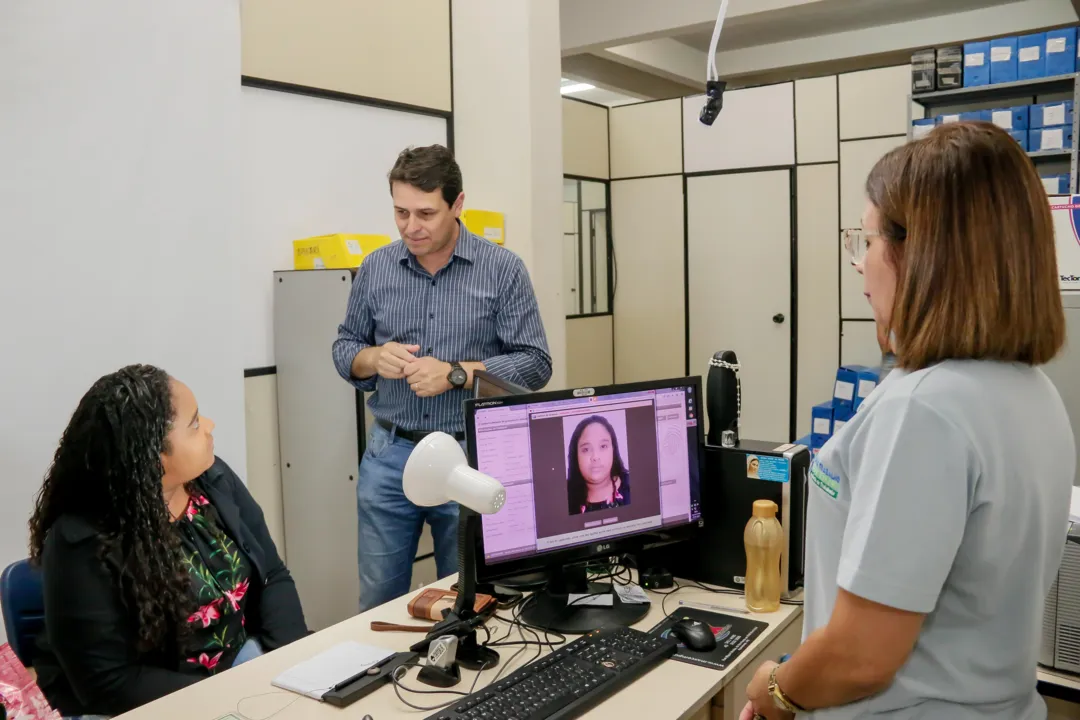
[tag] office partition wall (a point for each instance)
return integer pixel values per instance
(739, 250)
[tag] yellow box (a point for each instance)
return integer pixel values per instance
(335, 252)
(487, 224)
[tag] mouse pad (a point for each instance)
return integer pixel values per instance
(733, 635)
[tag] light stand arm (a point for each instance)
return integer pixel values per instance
(463, 619)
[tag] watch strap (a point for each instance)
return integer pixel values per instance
(779, 697)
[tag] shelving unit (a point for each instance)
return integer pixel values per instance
(1015, 92)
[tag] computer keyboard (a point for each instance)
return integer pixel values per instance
(567, 682)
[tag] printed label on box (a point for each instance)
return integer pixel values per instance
(354, 247)
(1003, 119)
(1055, 45)
(493, 233)
(1000, 54)
(845, 390)
(866, 387)
(1054, 115)
(821, 425)
(1029, 54)
(919, 131)
(949, 119)
(1050, 185)
(1053, 139)
(974, 60)
(319, 264)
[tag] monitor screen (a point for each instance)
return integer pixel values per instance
(583, 470)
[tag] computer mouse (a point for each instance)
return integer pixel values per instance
(695, 634)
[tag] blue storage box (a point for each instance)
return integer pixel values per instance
(1051, 114)
(821, 424)
(975, 116)
(1003, 66)
(1056, 184)
(922, 128)
(1014, 118)
(1061, 51)
(1050, 138)
(868, 379)
(1020, 136)
(841, 417)
(847, 376)
(1030, 56)
(976, 64)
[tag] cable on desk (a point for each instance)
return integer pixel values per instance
(277, 712)
(395, 679)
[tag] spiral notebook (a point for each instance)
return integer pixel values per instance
(319, 675)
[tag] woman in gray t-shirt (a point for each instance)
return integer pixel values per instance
(937, 516)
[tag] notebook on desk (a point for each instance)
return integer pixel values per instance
(321, 674)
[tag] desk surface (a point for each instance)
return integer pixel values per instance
(671, 690)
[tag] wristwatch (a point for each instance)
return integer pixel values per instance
(780, 700)
(458, 375)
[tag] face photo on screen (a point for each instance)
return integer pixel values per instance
(598, 475)
(753, 464)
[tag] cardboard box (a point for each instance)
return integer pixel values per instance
(1020, 136)
(1003, 66)
(1050, 138)
(1056, 184)
(922, 128)
(334, 252)
(841, 417)
(1051, 114)
(488, 224)
(950, 67)
(844, 389)
(868, 379)
(976, 64)
(923, 71)
(1061, 51)
(1030, 56)
(1066, 214)
(1014, 118)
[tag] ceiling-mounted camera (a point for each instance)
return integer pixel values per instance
(714, 86)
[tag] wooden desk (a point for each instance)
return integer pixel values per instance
(671, 690)
(1059, 684)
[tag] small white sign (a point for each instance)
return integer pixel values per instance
(866, 387)
(949, 119)
(1029, 54)
(974, 60)
(1055, 45)
(845, 390)
(821, 426)
(1054, 115)
(1000, 54)
(1053, 139)
(1002, 118)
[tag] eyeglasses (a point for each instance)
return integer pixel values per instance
(856, 241)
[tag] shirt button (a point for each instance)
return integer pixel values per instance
(426, 416)
(431, 316)
(430, 350)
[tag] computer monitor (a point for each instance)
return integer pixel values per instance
(589, 473)
(486, 385)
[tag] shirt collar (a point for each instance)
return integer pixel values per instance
(465, 248)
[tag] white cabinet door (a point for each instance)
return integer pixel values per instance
(739, 253)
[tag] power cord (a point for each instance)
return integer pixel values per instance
(399, 672)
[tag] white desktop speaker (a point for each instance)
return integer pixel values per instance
(438, 472)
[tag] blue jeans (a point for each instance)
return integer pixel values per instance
(248, 651)
(389, 525)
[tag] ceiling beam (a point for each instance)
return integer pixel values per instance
(589, 25)
(674, 61)
(621, 78)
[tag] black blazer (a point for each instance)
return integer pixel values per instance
(88, 662)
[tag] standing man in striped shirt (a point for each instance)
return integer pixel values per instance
(424, 314)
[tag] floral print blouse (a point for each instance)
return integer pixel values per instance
(219, 575)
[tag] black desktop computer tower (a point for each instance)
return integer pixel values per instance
(733, 479)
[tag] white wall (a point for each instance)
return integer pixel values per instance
(508, 138)
(116, 204)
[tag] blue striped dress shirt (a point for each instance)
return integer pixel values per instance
(479, 307)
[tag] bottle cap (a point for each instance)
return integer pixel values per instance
(764, 508)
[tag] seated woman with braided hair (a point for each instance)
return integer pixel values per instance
(158, 567)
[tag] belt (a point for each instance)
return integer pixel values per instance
(414, 436)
